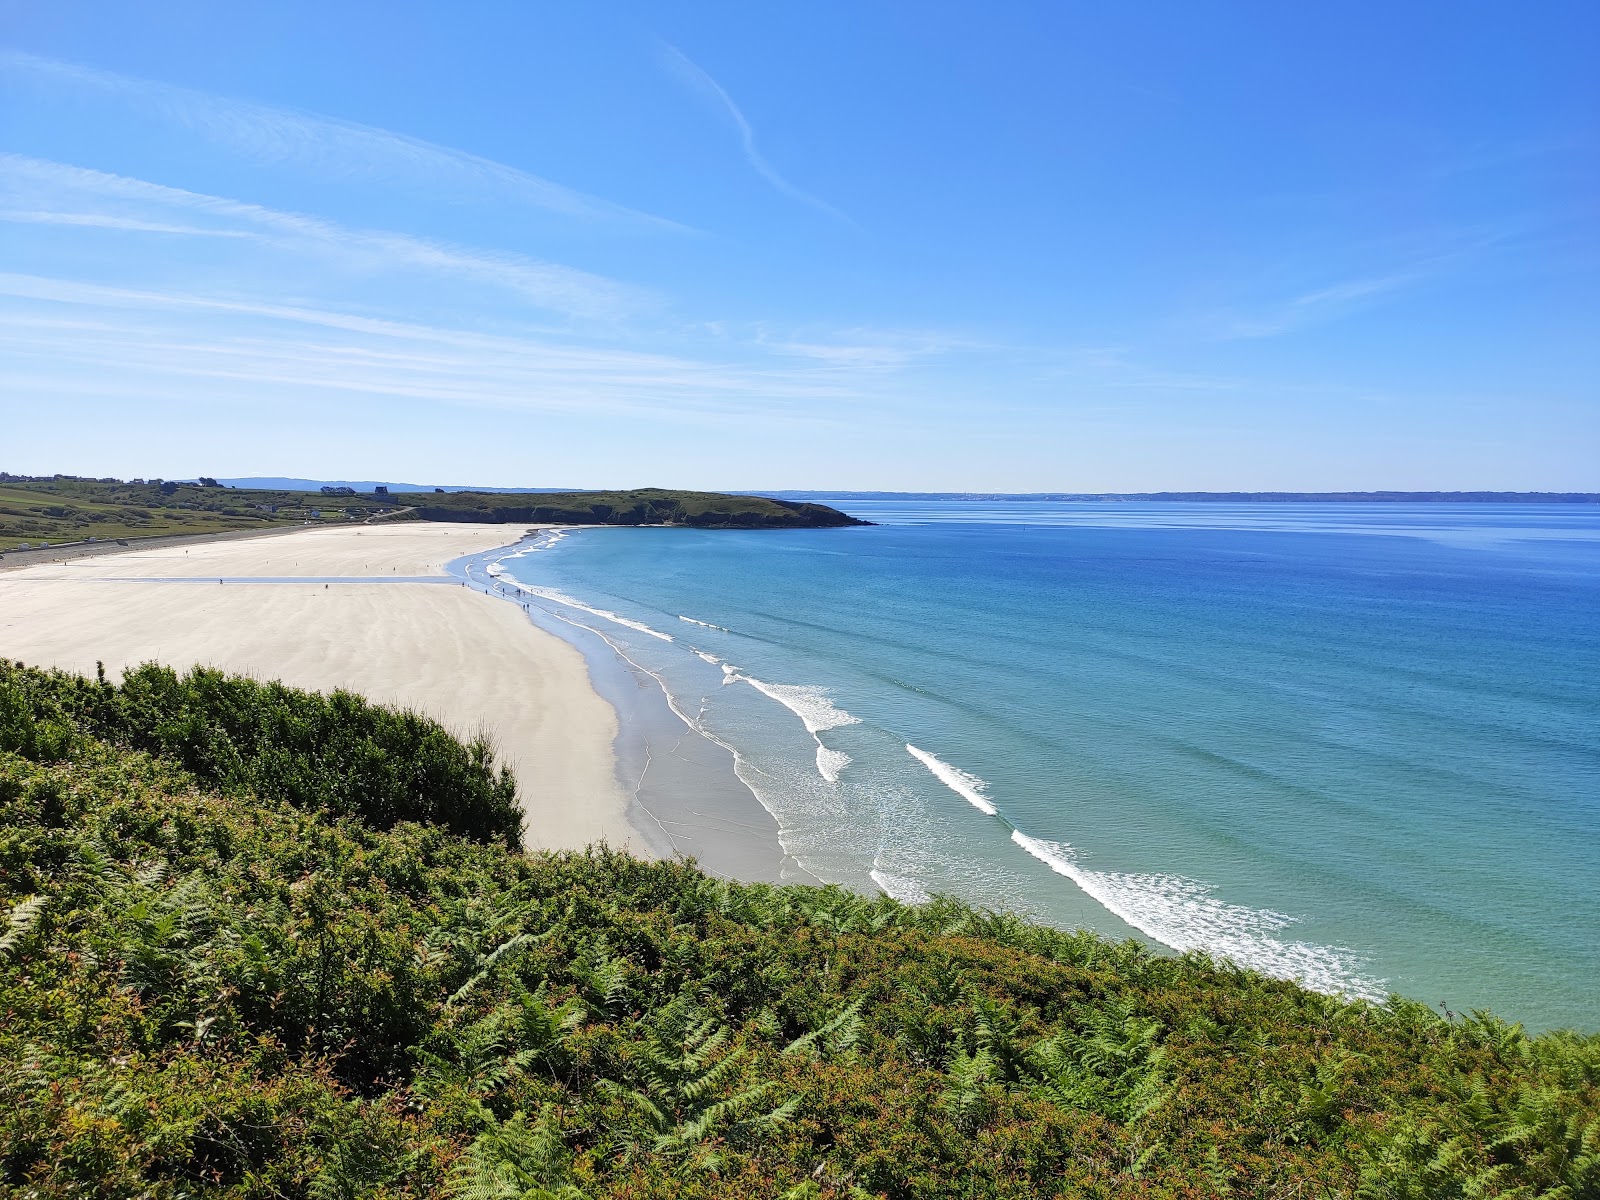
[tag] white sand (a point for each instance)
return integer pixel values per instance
(473, 662)
(394, 551)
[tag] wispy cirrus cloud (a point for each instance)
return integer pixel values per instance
(137, 341)
(36, 191)
(1324, 303)
(326, 145)
(700, 81)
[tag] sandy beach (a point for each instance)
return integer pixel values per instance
(386, 623)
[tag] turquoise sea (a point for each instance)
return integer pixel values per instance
(1355, 744)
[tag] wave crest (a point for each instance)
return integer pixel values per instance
(900, 887)
(969, 787)
(705, 624)
(1185, 915)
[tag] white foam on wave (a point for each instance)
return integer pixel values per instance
(831, 763)
(604, 614)
(969, 787)
(1185, 915)
(811, 704)
(815, 710)
(540, 542)
(710, 658)
(900, 887)
(730, 674)
(705, 624)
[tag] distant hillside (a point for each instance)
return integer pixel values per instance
(643, 506)
(54, 510)
(64, 508)
(295, 484)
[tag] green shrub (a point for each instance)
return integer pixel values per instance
(208, 988)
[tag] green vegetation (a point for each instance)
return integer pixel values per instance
(230, 964)
(66, 509)
(643, 506)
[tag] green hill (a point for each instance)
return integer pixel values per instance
(67, 509)
(34, 511)
(260, 943)
(642, 506)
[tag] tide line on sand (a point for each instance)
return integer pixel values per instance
(499, 573)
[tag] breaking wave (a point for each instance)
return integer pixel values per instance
(969, 787)
(815, 710)
(1185, 915)
(810, 704)
(831, 762)
(900, 887)
(705, 624)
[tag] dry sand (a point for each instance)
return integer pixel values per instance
(473, 662)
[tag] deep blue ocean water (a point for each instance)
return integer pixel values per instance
(1357, 744)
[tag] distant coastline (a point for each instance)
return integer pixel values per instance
(1216, 497)
(1375, 497)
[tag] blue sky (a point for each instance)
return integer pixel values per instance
(1049, 246)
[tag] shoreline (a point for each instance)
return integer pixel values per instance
(599, 752)
(685, 795)
(369, 609)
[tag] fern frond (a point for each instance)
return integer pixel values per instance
(20, 922)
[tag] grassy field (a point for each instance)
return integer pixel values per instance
(72, 510)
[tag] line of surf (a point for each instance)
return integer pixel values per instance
(816, 710)
(704, 624)
(499, 573)
(1180, 913)
(969, 787)
(1185, 915)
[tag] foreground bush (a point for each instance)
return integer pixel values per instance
(335, 754)
(214, 985)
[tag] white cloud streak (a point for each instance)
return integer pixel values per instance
(327, 146)
(42, 192)
(63, 337)
(1320, 304)
(696, 77)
